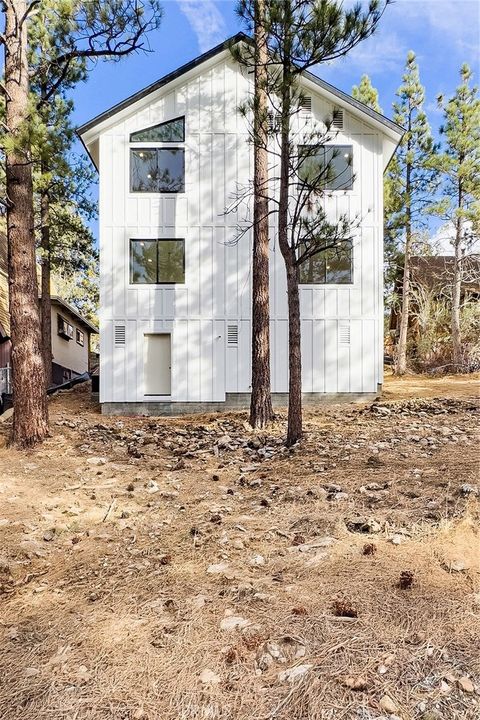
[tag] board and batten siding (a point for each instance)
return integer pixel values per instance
(342, 326)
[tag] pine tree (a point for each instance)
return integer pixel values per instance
(91, 29)
(30, 422)
(366, 93)
(256, 58)
(460, 167)
(412, 181)
(300, 34)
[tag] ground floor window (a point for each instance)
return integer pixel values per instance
(155, 262)
(329, 267)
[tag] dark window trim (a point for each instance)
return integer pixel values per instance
(79, 334)
(157, 192)
(156, 240)
(326, 282)
(158, 125)
(63, 323)
(332, 145)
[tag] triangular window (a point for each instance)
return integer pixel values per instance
(170, 131)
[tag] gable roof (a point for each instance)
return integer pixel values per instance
(344, 98)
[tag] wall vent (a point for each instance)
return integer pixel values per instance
(337, 119)
(344, 334)
(232, 334)
(306, 105)
(119, 334)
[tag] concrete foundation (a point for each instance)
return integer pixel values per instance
(233, 401)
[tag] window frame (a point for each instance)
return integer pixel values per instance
(331, 145)
(81, 335)
(156, 149)
(152, 127)
(63, 323)
(332, 284)
(157, 283)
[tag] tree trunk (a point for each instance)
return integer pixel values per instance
(294, 429)
(456, 293)
(261, 411)
(401, 364)
(46, 301)
(30, 424)
(294, 432)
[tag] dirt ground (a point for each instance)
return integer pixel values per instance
(191, 569)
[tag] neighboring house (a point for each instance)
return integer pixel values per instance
(70, 333)
(175, 288)
(432, 275)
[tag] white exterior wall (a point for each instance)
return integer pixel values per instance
(217, 289)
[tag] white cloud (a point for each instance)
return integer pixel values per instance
(458, 21)
(442, 241)
(206, 21)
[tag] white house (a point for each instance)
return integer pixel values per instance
(175, 289)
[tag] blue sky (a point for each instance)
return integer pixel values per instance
(443, 34)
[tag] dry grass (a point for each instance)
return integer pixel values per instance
(119, 618)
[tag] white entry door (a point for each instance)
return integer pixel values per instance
(157, 364)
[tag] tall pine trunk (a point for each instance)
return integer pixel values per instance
(30, 424)
(401, 364)
(294, 432)
(46, 300)
(261, 411)
(294, 429)
(456, 295)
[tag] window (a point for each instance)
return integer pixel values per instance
(64, 329)
(330, 267)
(331, 165)
(157, 170)
(170, 131)
(157, 261)
(80, 337)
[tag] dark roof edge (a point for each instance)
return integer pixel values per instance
(241, 36)
(57, 300)
(163, 81)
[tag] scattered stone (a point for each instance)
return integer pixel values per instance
(467, 489)
(457, 566)
(397, 539)
(96, 461)
(465, 684)
(49, 535)
(295, 673)
(218, 569)
(152, 487)
(369, 549)
(257, 561)
(387, 704)
(208, 677)
(234, 622)
(362, 524)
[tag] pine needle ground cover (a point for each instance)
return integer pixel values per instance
(191, 569)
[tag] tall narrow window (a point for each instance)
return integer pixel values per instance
(329, 267)
(155, 262)
(330, 166)
(170, 131)
(160, 170)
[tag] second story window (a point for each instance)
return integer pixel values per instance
(156, 262)
(158, 169)
(327, 166)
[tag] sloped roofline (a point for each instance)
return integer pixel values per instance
(239, 37)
